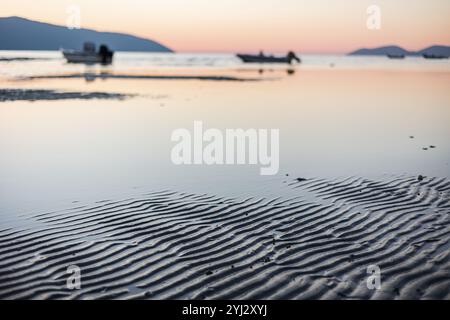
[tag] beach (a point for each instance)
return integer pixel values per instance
(87, 179)
(170, 245)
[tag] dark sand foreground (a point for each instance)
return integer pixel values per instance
(171, 245)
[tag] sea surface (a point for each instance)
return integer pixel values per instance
(338, 116)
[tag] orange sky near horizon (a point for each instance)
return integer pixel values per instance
(319, 26)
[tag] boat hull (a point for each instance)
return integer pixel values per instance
(258, 59)
(393, 56)
(432, 56)
(87, 58)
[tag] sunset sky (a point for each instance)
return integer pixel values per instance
(319, 26)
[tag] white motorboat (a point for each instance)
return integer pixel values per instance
(89, 55)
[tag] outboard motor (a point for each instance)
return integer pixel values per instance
(291, 56)
(105, 54)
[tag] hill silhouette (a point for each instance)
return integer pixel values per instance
(396, 50)
(17, 33)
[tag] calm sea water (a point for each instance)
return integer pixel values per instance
(337, 116)
(52, 62)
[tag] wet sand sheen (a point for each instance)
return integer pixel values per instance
(171, 245)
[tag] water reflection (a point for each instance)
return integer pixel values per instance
(333, 121)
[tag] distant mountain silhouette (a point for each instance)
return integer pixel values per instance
(395, 50)
(22, 34)
(436, 50)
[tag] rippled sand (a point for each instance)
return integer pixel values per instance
(170, 245)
